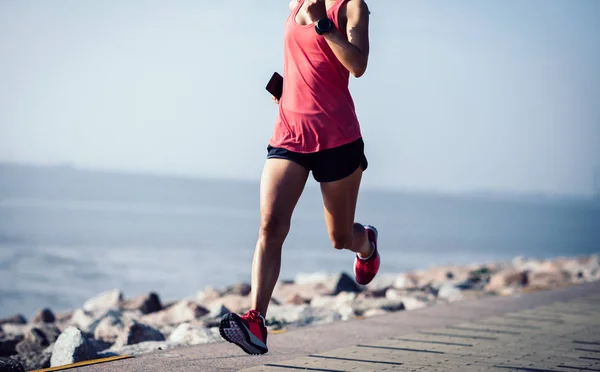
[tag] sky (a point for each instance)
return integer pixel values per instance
(459, 96)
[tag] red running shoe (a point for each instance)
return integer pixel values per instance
(247, 331)
(366, 269)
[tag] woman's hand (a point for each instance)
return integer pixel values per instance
(316, 10)
(275, 99)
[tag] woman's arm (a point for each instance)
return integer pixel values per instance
(353, 49)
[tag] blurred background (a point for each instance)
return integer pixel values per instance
(133, 134)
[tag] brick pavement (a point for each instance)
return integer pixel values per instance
(564, 336)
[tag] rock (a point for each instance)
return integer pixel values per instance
(344, 283)
(147, 304)
(393, 306)
(135, 332)
(410, 302)
(284, 292)
(82, 319)
(88, 322)
(548, 279)
(374, 312)
(346, 312)
(507, 278)
(8, 345)
(113, 316)
(71, 347)
(362, 305)
(10, 365)
(414, 303)
(311, 278)
(297, 300)
(375, 293)
(450, 292)
(188, 334)
(240, 289)
(10, 329)
(49, 349)
(406, 281)
(108, 329)
(433, 277)
(381, 283)
(235, 303)
(393, 294)
(44, 316)
(100, 345)
(104, 301)
(217, 311)
(182, 311)
(207, 295)
(14, 319)
(476, 280)
(586, 274)
(64, 317)
(533, 266)
(37, 339)
(334, 302)
(33, 361)
(302, 315)
(507, 291)
(286, 313)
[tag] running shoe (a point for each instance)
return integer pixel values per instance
(366, 269)
(247, 331)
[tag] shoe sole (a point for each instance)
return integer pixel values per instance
(372, 228)
(233, 330)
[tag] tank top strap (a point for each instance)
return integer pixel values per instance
(298, 5)
(295, 10)
(334, 12)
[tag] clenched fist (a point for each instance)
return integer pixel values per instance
(316, 10)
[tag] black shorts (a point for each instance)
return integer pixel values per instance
(327, 165)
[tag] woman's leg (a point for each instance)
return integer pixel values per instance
(281, 185)
(339, 200)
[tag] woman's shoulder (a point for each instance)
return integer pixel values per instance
(292, 4)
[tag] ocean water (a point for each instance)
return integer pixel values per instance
(66, 235)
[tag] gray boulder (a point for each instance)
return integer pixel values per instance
(147, 304)
(72, 347)
(450, 292)
(135, 332)
(104, 301)
(344, 283)
(188, 334)
(14, 319)
(180, 312)
(240, 289)
(44, 316)
(36, 339)
(33, 361)
(10, 365)
(8, 345)
(109, 329)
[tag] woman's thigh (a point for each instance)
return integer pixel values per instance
(281, 186)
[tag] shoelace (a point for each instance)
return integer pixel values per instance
(253, 316)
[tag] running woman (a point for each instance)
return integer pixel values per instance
(316, 131)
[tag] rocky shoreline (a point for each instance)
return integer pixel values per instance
(110, 324)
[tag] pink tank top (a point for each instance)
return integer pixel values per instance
(316, 110)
